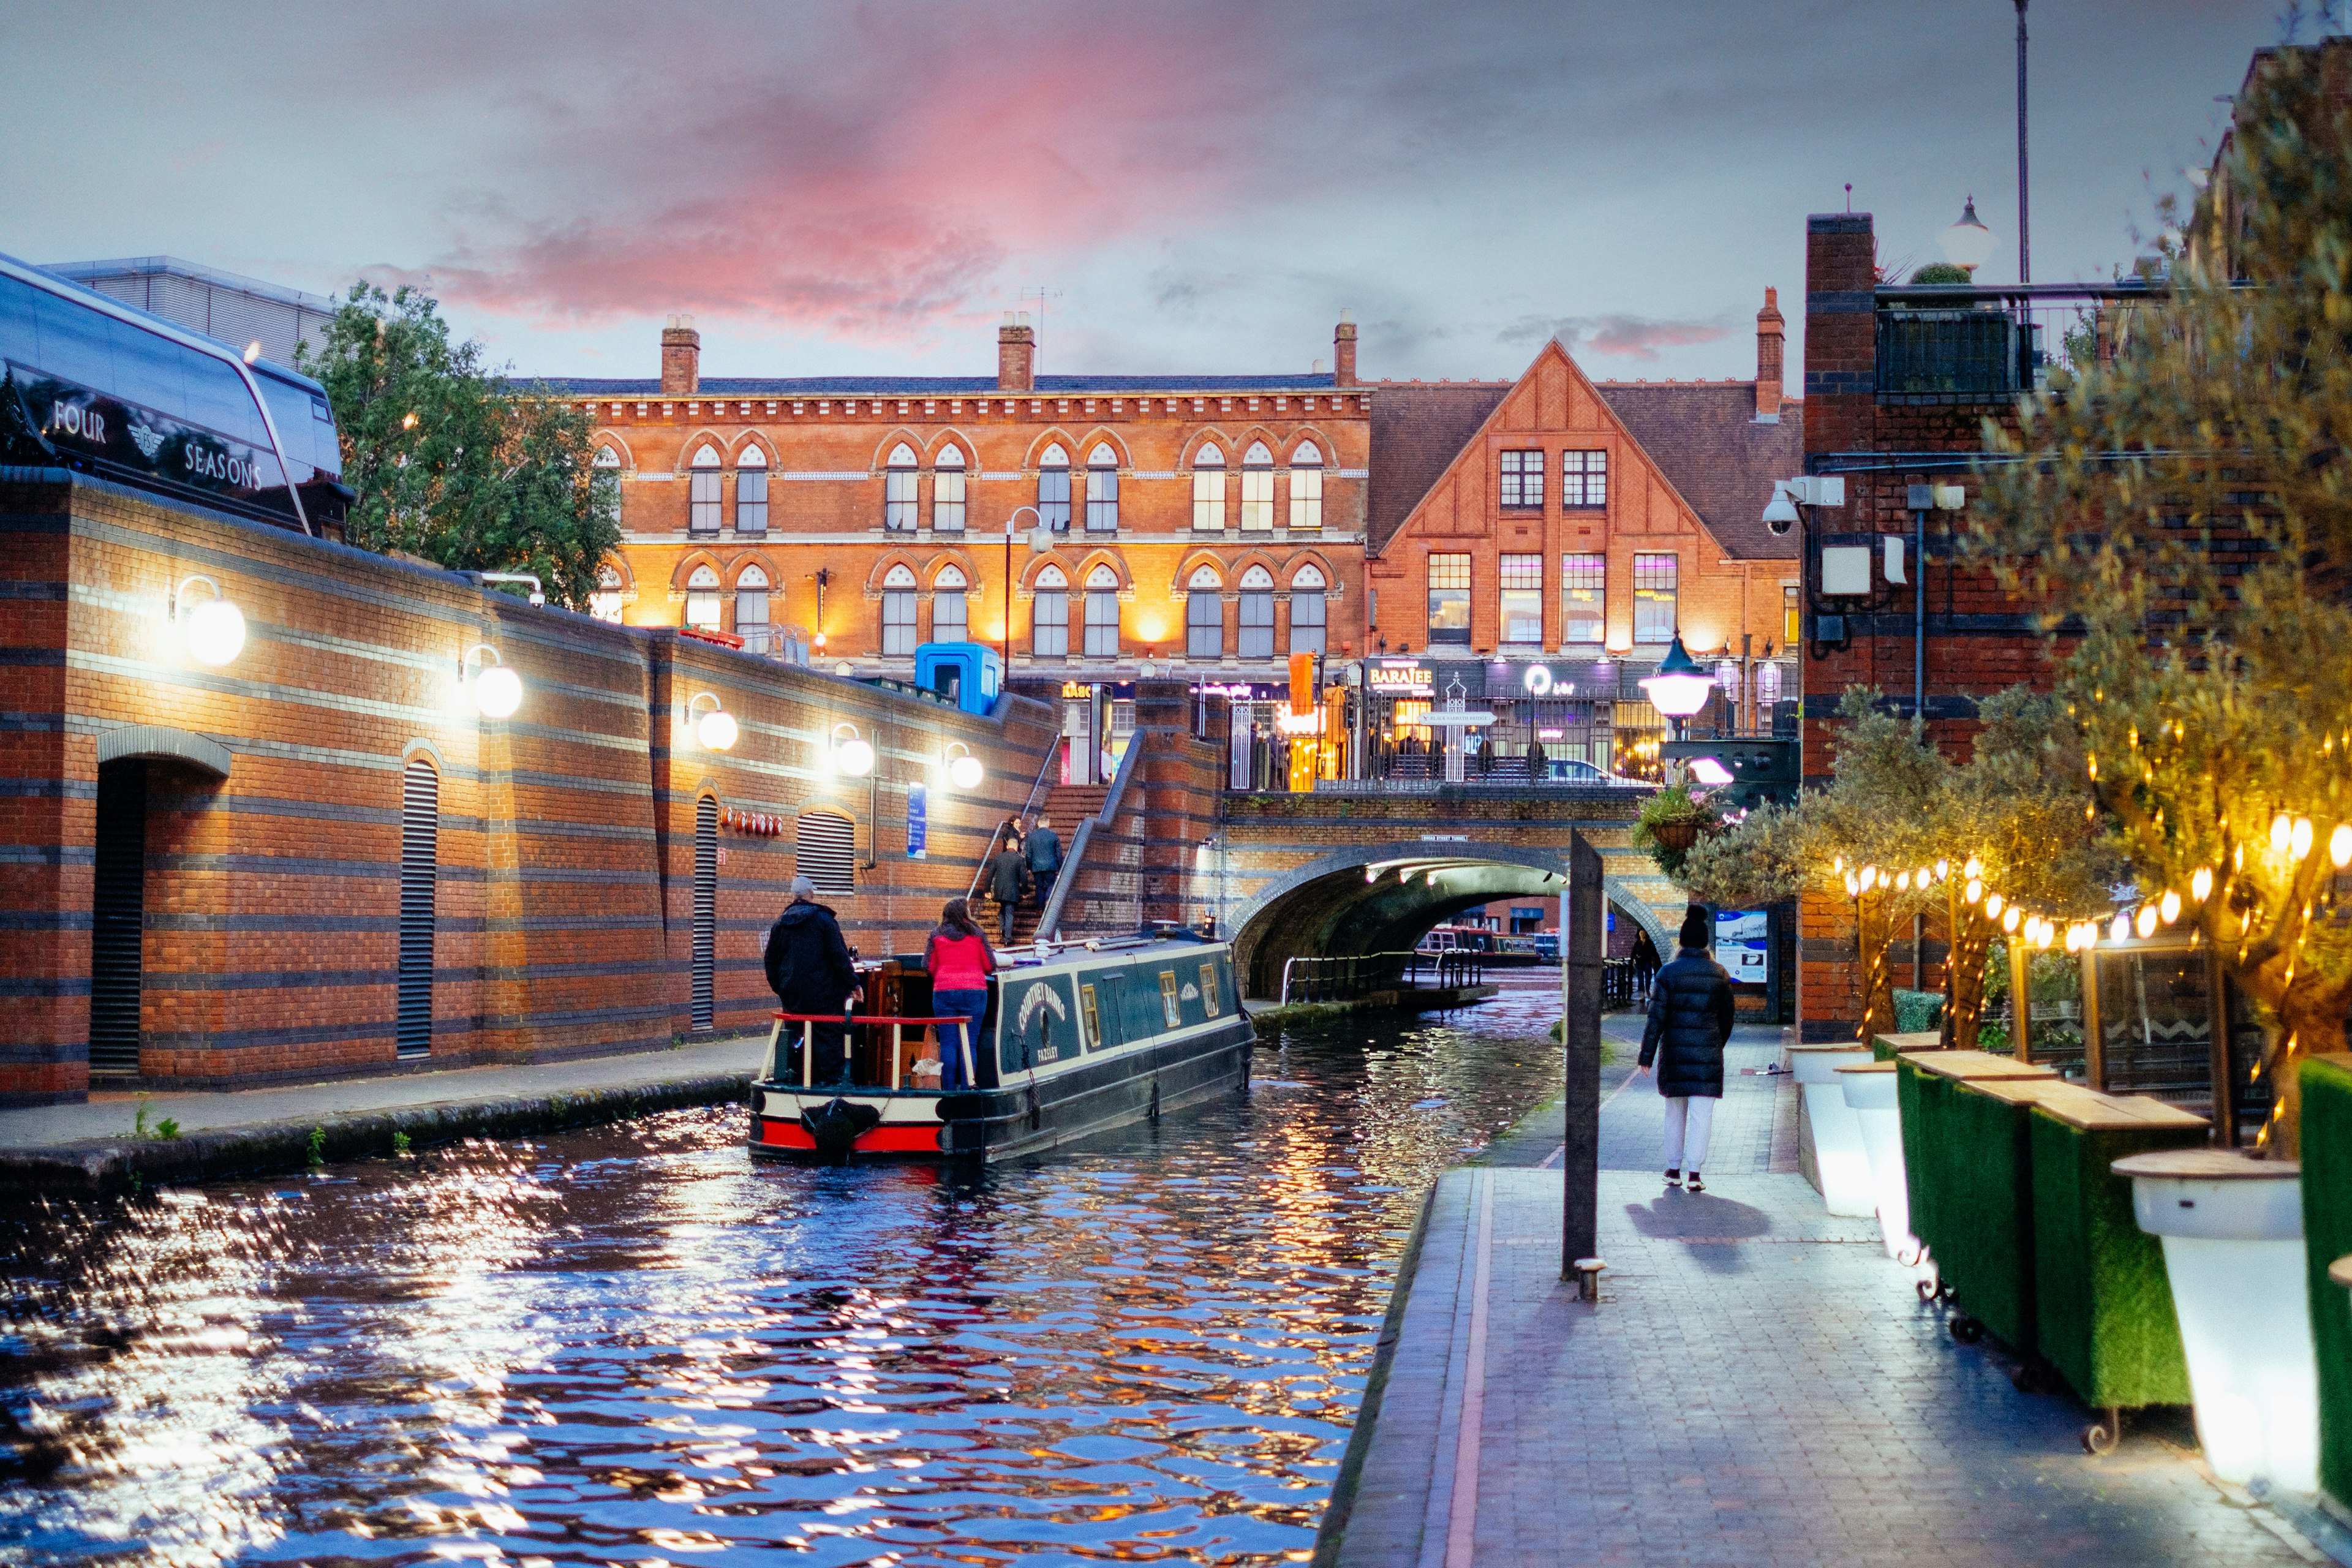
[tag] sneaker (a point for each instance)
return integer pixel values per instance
(1692, 1184)
(1673, 1178)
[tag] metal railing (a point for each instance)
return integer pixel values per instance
(1049, 919)
(1036, 792)
(1350, 977)
(1617, 982)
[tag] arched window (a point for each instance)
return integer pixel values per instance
(752, 492)
(702, 598)
(1204, 614)
(702, 490)
(605, 480)
(1049, 615)
(605, 602)
(826, 851)
(897, 612)
(900, 480)
(1102, 612)
(947, 491)
(1102, 490)
(1258, 487)
(420, 857)
(1054, 487)
(950, 606)
(1307, 610)
(1307, 487)
(752, 608)
(1257, 613)
(1209, 490)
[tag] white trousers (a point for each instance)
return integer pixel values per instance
(1689, 1123)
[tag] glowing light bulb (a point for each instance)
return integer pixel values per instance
(854, 758)
(2170, 907)
(1869, 878)
(1903, 882)
(1973, 869)
(2299, 843)
(2146, 921)
(2009, 920)
(2281, 833)
(1992, 906)
(215, 631)
(716, 730)
(1852, 886)
(1974, 890)
(2120, 930)
(1943, 869)
(498, 691)
(2202, 884)
(966, 771)
(2049, 934)
(2339, 845)
(2073, 938)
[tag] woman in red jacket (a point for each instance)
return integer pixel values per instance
(960, 961)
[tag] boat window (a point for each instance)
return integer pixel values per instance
(1169, 1004)
(1086, 1009)
(1209, 994)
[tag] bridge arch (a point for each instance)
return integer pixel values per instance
(1381, 898)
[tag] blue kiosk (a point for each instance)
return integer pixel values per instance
(967, 674)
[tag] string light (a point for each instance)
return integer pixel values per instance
(2281, 833)
(2121, 930)
(2170, 906)
(1973, 869)
(2201, 886)
(1975, 890)
(1943, 869)
(2009, 920)
(2300, 844)
(2339, 845)
(2146, 922)
(1993, 905)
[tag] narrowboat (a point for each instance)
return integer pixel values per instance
(1079, 1037)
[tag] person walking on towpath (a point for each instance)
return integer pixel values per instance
(1043, 850)
(1007, 873)
(810, 970)
(1690, 1019)
(958, 959)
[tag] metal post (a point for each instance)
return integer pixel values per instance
(2024, 227)
(2095, 1045)
(1580, 1032)
(2021, 998)
(808, 1055)
(2217, 1020)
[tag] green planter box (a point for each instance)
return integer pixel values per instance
(1988, 1238)
(1938, 1159)
(2103, 1308)
(2327, 1234)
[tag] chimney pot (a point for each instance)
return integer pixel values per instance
(1771, 337)
(681, 358)
(1343, 350)
(1016, 354)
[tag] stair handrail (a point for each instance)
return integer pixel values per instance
(1049, 919)
(1036, 791)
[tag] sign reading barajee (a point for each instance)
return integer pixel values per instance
(1398, 677)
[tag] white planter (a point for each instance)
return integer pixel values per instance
(2232, 1232)
(1869, 1089)
(1838, 1152)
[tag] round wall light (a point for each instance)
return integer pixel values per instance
(496, 691)
(851, 757)
(716, 729)
(212, 630)
(964, 769)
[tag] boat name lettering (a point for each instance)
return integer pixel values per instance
(1046, 998)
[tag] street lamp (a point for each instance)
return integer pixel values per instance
(852, 758)
(496, 691)
(964, 769)
(1041, 539)
(1680, 687)
(716, 730)
(213, 630)
(1968, 244)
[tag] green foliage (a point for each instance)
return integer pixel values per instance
(1669, 807)
(399, 1142)
(1916, 1012)
(1941, 272)
(315, 1155)
(167, 1128)
(450, 462)
(139, 1126)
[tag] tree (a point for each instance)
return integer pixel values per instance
(449, 461)
(2188, 505)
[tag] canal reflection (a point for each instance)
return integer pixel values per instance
(629, 1344)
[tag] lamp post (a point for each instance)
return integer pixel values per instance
(1041, 539)
(1968, 244)
(1680, 687)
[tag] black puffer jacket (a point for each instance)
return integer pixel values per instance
(809, 967)
(1690, 1018)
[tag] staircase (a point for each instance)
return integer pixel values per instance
(1065, 805)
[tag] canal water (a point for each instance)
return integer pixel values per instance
(630, 1345)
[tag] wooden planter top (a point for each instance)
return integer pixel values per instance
(2117, 1113)
(1864, 1066)
(1918, 1040)
(1972, 1065)
(2209, 1165)
(2339, 1273)
(2028, 1090)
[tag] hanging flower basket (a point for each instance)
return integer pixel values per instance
(1676, 836)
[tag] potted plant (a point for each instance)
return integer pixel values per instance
(1670, 825)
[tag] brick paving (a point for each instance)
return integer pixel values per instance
(1758, 1384)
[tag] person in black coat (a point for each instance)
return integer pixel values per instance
(1645, 960)
(811, 970)
(1690, 1020)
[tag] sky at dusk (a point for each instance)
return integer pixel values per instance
(865, 189)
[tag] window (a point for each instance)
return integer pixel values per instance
(1307, 611)
(1170, 1009)
(1583, 599)
(947, 491)
(826, 851)
(950, 606)
(1053, 488)
(420, 854)
(1522, 479)
(1258, 487)
(752, 492)
(1204, 616)
(1208, 489)
(1212, 994)
(1792, 616)
(1584, 479)
(1102, 612)
(751, 606)
(1520, 599)
(897, 612)
(1653, 598)
(702, 490)
(604, 481)
(901, 483)
(1307, 487)
(1102, 490)
(604, 603)
(1449, 598)
(702, 598)
(1049, 615)
(1257, 613)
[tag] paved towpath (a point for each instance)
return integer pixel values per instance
(1760, 1385)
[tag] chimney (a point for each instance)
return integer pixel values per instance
(1772, 333)
(1343, 350)
(681, 358)
(1016, 354)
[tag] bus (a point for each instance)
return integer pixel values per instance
(90, 384)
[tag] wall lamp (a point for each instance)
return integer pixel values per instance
(964, 769)
(717, 728)
(213, 630)
(495, 689)
(852, 758)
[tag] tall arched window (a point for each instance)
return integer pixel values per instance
(702, 598)
(752, 492)
(1258, 487)
(950, 606)
(1049, 615)
(1054, 487)
(947, 491)
(702, 490)
(605, 480)
(897, 612)
(420, 857)
(1307, 486)
(1209, 490)
(1204, 614)
(1102, 490)
(1307, 610)
(1102, 612)
(604, 603)
(752, 608)
(900, 482)
(1257, 613)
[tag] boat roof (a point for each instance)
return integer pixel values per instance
(1110, 949)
